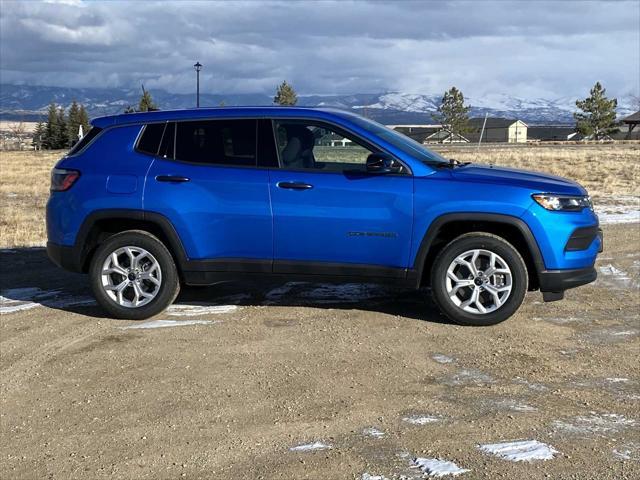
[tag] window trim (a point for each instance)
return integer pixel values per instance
(339, 129)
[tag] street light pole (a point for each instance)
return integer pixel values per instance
(198, 67)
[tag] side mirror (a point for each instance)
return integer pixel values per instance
(382, 163)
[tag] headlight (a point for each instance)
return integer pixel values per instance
(564, 203)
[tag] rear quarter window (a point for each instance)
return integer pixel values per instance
(84, 141)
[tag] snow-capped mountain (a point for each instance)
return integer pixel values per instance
(30, 103)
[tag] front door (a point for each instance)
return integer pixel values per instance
(330, 215)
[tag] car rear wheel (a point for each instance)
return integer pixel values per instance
(479, 279)
(133, 275)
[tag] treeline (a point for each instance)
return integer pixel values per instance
(61, 130)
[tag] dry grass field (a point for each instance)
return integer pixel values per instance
(605, 170)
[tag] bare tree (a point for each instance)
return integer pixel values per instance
(17, 130)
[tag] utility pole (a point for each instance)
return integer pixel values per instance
(197, 67)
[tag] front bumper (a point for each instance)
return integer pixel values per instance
(555, 282)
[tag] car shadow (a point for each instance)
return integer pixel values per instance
(28, 277)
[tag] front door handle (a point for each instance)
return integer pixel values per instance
(172, 178)
(294, 185)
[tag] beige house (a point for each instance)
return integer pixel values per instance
(498, 130)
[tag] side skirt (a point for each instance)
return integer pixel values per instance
(210, 272)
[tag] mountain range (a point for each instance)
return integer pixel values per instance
(29, 103)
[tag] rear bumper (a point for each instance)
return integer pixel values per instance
(561, 280)
(64, 256)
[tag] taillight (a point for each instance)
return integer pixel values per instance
(62, 179)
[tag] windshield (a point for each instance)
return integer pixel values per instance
(399, 140)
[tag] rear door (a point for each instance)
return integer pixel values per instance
(330, 215)
(206, 181)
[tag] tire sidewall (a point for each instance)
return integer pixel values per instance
(169, 286)
(486, 242)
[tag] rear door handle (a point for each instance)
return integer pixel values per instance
(294, 185)
(172, 178)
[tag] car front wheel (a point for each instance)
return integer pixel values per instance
(479, 279)
(133, 275)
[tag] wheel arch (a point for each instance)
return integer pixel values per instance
(449, 226)
(101, 224)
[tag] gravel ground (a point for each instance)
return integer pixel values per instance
(319, 381)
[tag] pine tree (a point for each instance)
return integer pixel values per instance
(146, 103)
(453, 114)
(83, 119)
(598, 115)
(285, 95)
(38, 135)
(51, 129)
(61, 140)
(73, 122)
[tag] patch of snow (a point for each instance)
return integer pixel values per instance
(435, 467)
(619, 209)
(420, 419)
(192, 310)
(626, 332)
(616, 277)
(516, 406)
(470, 376)
(308, 447)
(14, 300)
(629, 451)
(617, 380)
(536, 387)
(444, 359)
(520, 451)
(368, 476)
(594, 424)
(167, 323)
(372, 432)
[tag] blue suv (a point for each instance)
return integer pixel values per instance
(147, 201)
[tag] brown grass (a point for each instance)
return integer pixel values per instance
(605, 170)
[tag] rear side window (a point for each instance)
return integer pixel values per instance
(217, 142)
(93, 133)
(150, 139)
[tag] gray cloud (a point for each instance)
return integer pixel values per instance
(529, 49)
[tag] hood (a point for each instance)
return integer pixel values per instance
(535, 181)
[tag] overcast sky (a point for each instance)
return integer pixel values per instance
(521, 48)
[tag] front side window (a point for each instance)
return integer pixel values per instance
(306, 145)
(216, 142)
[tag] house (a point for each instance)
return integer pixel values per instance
(429, 134)
(550, 133)
(444, 136)
(498, 130)
(334, 140)
(631, 122)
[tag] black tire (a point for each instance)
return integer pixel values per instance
(484, 241)
(169, 285)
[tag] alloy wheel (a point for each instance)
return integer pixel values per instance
(131, 276)
(479, 281)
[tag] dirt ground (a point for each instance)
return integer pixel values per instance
(363, 379)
